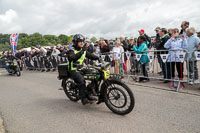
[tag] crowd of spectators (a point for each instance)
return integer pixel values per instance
(170, 41)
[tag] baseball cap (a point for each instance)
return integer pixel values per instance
(142, 30)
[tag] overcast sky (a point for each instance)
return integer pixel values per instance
(100, 18)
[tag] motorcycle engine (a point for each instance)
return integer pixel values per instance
(92, 88)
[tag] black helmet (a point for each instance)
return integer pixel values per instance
(78, 38)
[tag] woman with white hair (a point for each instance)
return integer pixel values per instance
(193, 43)
(118, 56)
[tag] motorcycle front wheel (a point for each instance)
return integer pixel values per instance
(119, 98)
(18, 73)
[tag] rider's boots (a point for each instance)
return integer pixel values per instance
(84, 99)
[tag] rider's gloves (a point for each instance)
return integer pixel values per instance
(83, 48)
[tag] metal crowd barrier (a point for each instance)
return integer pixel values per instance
(1, 64)
(157, 67)
(43, 63)
(116, 62)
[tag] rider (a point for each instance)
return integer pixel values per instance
(76, 56)
(10, 57)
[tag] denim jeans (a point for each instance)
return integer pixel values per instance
(8, 67)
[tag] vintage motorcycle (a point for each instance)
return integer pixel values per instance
(13, 67)
(117, 96)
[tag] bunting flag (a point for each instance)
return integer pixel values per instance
(164, 57)
(119, 55)
(181, 56)
(111, 57)
(138, 56)
(197, 55)
(151, 57)
(102, 57)
(128, 55)
(14, 40)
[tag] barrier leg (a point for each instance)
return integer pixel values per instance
(178, 87)
(128, 78)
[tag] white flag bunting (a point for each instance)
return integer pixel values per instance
(138, 56)
(164, 57)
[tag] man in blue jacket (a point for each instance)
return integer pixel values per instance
(193, 44)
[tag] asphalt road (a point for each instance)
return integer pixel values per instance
(33, 103)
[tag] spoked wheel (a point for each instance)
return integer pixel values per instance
(71, 90)
(119, 98)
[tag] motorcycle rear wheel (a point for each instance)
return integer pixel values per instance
(70, 90)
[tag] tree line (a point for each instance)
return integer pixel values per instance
(26, 40)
